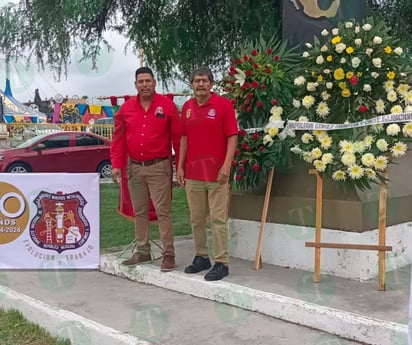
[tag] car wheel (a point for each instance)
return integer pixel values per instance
(18, 168)
(105, 169)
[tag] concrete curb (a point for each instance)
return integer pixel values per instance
(334, 321)
(57, 321)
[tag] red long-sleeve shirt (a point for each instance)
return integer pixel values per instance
(145, 135)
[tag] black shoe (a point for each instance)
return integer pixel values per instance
(199, 264)
(218, 272)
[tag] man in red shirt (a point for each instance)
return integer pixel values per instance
(144, 128)
(207, 148)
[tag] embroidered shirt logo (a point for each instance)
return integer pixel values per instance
(188, 111)
(211, 114)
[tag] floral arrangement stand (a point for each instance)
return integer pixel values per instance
(258, 258)
(381, 247)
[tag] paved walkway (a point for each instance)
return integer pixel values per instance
(96, 308)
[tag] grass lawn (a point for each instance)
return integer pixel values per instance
(16, 330)
(116, 230)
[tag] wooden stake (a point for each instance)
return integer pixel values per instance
(141, 55)
(319, 198)
(258, 258)
(382, 231)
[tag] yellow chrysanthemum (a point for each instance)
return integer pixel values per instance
(349, 50)
(339, 74)
(359, 74)
(370, 174)
(391, 75)
(349, 75)
(346, 93)
(388, 50)
(381, 163)
(319, 165)
(342, 85)
(325, 142)
(273, 131)
(336, 39)
(355, 172)
(399, 149)
(329, 58)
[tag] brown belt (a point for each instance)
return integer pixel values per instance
(150, 162)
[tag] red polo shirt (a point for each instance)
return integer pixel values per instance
(145, 135)
(207, 128)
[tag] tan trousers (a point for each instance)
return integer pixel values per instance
(154, 181)
(209, 198)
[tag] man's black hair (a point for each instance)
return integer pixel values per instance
(142, 70)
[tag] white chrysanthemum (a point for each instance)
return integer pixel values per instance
(408, 109)
(318, 133)
(320, 60)
(326, 71)
(359, 146)
(407, 129)
(325, 95)
(368, 160)
(303, 118)
(306, 138)
(340, 47)
(308, 45)
(308, 101)
(358, 42)
(296, 103)
(324, 32)
(374, 75)
(276, 111)
(339, 175)
(393, 129)
(367, 88)
(273, 131)
(346, 146)
(399, 149)
(335, 31)
(305, 55)
(296, 149)
(329, 85)
(391, 96)
(366, 27)
(355, 62)
(380, 106)
(403, 89)
(267, 140)
(311, 86)
(299, 81)
(348, 159)
(382, 145)
(324, 48)
(325, 142)
(368, 141)
(370, 174)
(388, 85)
(355, 172)
(357, 29)
(381, 163)
(408, 97)
(307, 157)
(348, 25)
(342, 60)
(377, 40)
(319, 165)
(316, 153)
(369, 51)
(322, 110)
(377, 128)
(397, 109)
(327, 158)
(377, 62)
(398, 51)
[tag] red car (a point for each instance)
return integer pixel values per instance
(72, 152)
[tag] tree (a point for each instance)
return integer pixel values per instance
(176, 35)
